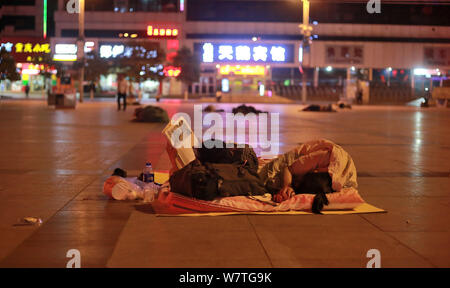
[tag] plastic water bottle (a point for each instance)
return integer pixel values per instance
(148, 175)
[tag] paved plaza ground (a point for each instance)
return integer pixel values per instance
(53, 164)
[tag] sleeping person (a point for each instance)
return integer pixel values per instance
(317, 167)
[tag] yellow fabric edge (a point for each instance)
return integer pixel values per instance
(361, 209)
(161, 177)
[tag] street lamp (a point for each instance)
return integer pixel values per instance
(80, 45)
(306, 30)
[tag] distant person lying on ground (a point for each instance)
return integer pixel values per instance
(317, 167)
(319, 108)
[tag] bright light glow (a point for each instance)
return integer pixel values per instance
(261, 90)
(389, 69)
(225, 52)
(300, 54)
(66, 49)
(278, 54)
(44, 20)
(171, 71)
(108, 51)
(254, 39)
(134, 36)
(163, 32)
(243, 53)
(208, 53)
(89, 46)
(225, 85)
(65, 57)
(181, 5)
(353, 68)
(8, 46)
(242, 70)
(329, 69)
(260, 53)
(420, 71)
(125, 35)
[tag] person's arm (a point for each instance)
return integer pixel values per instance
(287, 177)
(286, 192)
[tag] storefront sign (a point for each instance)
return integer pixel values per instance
(114, 50)
(258, 53)
(26, 49)
(68, 52)
(344, 54)
(242, 70)
(161, 32)
(436, 56)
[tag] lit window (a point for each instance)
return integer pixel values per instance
(168, 32)
(162, 32)
(260, 53)
(225, 52)
(243, 53)
(175, 32)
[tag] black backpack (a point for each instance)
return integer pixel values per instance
(212, 180)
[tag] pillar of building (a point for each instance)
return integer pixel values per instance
(316, 77)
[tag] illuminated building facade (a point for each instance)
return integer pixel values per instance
(246, 44)
(25, 31)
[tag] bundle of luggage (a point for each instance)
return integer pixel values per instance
(219, 172)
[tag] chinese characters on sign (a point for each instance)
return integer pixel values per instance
(436, 56)
(161, 32)
(113, 51)
(344, 54)
(246, 53)
(242, 70)
(26, 50)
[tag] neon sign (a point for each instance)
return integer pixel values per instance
(68, 52)
(171, 71)
(26, 49)
(113, 51)
(242, 70)
(161, 32)
(257, 53)
(21, 47)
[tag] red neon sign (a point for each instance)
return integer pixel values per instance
(162, 32)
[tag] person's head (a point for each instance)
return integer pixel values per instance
(312, 183)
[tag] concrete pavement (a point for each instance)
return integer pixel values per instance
(53, 164)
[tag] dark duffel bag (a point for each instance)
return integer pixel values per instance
(245, 156)
(194, 180)
(236, 180)
(209, 181)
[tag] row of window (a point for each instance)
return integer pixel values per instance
(19, 22)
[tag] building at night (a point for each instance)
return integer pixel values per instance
(25, 30)
(250, 47)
